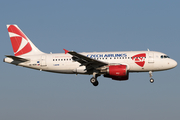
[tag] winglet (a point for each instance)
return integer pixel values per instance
(66, 51)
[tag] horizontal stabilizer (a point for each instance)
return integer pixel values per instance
(17, 58)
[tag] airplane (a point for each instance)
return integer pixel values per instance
(114, 65)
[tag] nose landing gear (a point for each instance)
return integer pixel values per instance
(150, 74)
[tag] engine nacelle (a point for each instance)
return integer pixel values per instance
(117, 72)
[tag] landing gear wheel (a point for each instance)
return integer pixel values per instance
(151, 80)
(94, 81)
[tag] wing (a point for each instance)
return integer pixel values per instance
(86, 61)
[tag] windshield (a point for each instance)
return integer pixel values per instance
(164, 56)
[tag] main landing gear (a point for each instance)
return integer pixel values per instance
(150, 74)
(93, 80)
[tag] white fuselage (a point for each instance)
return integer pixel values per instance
(136, 61)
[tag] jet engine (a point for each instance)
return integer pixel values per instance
(117, 72)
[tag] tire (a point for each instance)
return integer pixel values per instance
(151, 80)
(94, 81)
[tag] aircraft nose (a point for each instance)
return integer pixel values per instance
(173, 63)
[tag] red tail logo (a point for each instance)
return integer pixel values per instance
(139, 59)
(19, 41)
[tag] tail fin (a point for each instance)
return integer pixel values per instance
(21, 43)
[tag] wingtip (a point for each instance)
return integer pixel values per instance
(66, 51)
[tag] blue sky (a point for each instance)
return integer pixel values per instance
(88, 26)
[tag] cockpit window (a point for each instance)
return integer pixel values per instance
(164, 56)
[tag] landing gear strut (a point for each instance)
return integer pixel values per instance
(150, 74)
(93, 80)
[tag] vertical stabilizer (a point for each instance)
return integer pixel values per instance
(20, 42)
